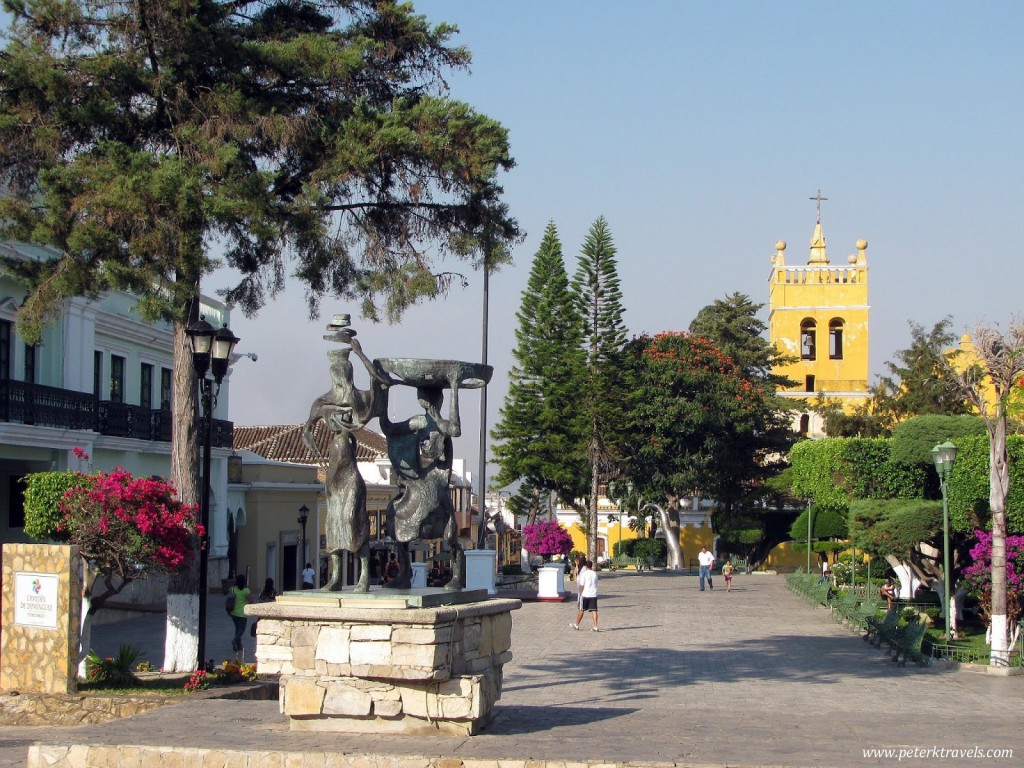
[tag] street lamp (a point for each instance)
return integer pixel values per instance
(211, 351)
(303, 519)
(943, 455)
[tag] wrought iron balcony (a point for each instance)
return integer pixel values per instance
(43, 406)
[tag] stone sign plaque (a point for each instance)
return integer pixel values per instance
(35, 600)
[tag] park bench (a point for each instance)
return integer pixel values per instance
(865, 610)
(907, 643)
(624, 561)
(877, 630)
(845, 606)
(740, 565)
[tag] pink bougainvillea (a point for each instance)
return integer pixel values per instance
(978, 574)
(117, 519)
(547, 538)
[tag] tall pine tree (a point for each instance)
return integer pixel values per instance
(539, 432)
(598, 297)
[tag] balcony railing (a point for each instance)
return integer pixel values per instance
(43, 406)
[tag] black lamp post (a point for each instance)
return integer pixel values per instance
(943, 455)
(303, 519)
(211, 351)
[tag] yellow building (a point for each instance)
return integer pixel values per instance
(818, 314)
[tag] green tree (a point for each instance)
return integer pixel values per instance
(732, 325)
(602, 400)
(310, 138)
(698, 425)
(540, 432)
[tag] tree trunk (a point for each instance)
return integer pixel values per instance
(999, 485)
(182, 637)
(674, 561)
(592, 520)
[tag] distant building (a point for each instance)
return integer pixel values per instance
(818, 314)
(101, 381)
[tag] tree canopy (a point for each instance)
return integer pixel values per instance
(310, 137)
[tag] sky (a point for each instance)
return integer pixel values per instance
(700, 131)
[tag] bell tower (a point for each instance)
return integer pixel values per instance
(818, 314)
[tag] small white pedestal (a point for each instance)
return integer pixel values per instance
(480, 566)
(419, 575)
(551, 582)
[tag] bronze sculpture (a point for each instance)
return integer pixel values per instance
(420, 450)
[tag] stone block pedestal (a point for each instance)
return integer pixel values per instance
(386, 669)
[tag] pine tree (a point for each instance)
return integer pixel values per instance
(301, 137)
(539, 432)
(597, 294)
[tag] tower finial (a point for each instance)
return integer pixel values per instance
(819, 198)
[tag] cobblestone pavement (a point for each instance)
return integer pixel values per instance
(752, 677)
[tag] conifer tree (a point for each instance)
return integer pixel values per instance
(597, 294)
(301, 137)
(539, 432)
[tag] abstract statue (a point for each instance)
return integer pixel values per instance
(420, 450)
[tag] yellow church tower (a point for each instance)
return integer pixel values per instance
(818, 314)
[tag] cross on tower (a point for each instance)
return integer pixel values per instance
(819, 198)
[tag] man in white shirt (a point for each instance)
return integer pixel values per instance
(308, 576)
(705, 560)
(587, 584)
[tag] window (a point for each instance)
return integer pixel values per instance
(30, 364)
(5, 349)
(116, 379)
(835, 340)
(165, 389)
(807, 340)
(808, 384)
(805, 424)
(97, 372)
(146, 386)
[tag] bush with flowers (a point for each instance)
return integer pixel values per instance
(547, 538)
(234, 671)
(978, 575)
(125, 527)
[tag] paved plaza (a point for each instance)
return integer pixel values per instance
(755, 677)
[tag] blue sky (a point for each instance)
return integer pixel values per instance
(700, 131)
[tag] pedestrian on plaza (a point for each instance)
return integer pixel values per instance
(242, 595)
(577, 567)
(587, 585)
(308, 577)
(727, 575)
(269, 593)
(888, 591)
(705, 561)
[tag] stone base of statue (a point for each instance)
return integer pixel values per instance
(420, 661)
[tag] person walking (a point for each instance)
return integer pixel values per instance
(727, 570)
(587, 582)
(242, 595)
(308, 577)
(705, 561)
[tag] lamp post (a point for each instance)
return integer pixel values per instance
(617, 519)
(809, 516)
(943, 455)
(303, 519)
(211, 351)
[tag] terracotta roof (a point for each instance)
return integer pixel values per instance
(283, 442)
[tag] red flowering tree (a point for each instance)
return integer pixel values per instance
(125, 527)
(547, 539)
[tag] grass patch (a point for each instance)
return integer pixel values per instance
(163, 685)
